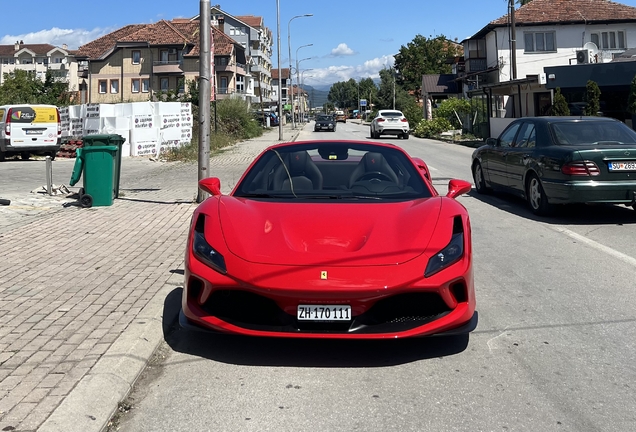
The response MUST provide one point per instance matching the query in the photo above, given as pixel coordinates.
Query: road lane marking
(606, 249)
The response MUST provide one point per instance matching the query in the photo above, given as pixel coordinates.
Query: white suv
(390, 122)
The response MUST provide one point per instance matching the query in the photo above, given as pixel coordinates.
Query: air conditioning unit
(172, 51)
(583, 56)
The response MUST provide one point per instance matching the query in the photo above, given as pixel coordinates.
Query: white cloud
(342, 50)
(57, 36)
(369, 69)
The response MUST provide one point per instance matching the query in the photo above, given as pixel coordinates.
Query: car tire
(2, 156)
(25, 155)
(537, 199)
(478, 178)
(52, 155)
(405, 136)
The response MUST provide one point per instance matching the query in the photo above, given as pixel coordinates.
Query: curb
(95, 399)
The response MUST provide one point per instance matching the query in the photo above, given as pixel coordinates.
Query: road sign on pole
(363, 102)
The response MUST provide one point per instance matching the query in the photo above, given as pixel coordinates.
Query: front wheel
(537, 198)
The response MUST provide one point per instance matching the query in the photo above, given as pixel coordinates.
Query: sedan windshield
(592, 132)
(333, 171)
(324, 118)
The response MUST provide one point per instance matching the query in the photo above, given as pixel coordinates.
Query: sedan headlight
(450, 254)
(204, 251)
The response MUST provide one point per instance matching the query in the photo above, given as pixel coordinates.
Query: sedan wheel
(478, 177)
(536, 197)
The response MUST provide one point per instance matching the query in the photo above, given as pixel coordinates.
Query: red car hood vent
(335, 234)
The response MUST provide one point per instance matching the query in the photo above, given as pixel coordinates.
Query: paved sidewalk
(82, 294)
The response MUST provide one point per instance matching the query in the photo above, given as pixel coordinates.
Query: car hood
(338, 234)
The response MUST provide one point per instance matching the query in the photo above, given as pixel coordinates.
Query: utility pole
(205, 94)
(280, 75)
(513, 41)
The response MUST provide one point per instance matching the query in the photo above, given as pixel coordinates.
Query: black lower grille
(396, 313)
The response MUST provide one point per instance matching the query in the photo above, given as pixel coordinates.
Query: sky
(349, 39)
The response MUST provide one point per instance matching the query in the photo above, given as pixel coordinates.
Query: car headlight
(451, 253)
(204, 251)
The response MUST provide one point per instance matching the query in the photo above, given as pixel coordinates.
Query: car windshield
(333, 171)
(592, 132)
(324, 118)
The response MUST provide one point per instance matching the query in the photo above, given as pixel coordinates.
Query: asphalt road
(554, 349)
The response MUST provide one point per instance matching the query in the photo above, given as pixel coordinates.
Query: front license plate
(324, 313)
(622, 166)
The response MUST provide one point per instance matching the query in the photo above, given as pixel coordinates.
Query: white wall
(569, 39)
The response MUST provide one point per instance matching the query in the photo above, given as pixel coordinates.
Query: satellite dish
(592, 47)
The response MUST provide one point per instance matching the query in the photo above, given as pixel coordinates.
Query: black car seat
(372, 162)
(300, 171)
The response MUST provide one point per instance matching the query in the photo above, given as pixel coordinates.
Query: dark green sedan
(560, 160)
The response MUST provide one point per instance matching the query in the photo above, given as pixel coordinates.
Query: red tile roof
(284, 72)
(162, 33)
(39, 49)
(103, 45)
(570, 11)
(251, 20)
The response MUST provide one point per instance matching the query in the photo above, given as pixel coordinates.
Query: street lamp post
(302, 84)
(298, 76)
(291, 85)
(298, 70)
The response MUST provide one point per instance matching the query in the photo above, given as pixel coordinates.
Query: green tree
(343, 94)
(424, 56)
(592, 97)
(403, 100)
(451, 108)
(560, 105)
(20, 87)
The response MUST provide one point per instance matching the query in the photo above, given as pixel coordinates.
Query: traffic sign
(363, 102)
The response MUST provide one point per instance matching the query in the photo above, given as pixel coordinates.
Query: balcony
(167, 67)
(236, 68)
(82, 73)
(476, 65)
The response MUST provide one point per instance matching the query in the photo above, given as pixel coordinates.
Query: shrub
(592, 97)
(560, 105)
(447, 109)
(431, 128)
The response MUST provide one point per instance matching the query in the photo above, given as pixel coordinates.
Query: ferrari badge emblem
(323, 275)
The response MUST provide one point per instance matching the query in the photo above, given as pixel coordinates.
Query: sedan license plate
(324, 313)
(622, 166)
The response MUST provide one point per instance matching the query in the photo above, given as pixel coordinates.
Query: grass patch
(190, 152)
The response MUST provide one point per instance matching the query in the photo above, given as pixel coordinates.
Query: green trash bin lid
(103, 139)
(78, 167)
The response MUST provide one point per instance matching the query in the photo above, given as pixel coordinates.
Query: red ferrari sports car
(331, 239)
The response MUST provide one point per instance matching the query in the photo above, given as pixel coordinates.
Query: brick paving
(72, 280)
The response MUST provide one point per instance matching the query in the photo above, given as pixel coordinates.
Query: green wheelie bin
(109, 140)
(97, 165)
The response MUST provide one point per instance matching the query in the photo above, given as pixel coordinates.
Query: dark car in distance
(560, 160)
(325, 122)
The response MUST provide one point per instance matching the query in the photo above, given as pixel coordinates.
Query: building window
(165, 84)
(609, 40)
(240, 84)
(477, 48)
(163, 55)
(136, 57)
(101, 86)
(135, 87)
(540, 41)
(232, 31)
(181, 85)
(114, 86)
(145, 85)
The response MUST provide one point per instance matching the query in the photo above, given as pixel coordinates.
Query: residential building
(251, 33)
(548, 33)
(146, 61)
(281, 85)
(40, 58)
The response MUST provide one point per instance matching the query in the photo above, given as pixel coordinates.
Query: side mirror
(492, 142)
(457, 188)
(211, 185)
(421, 165)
